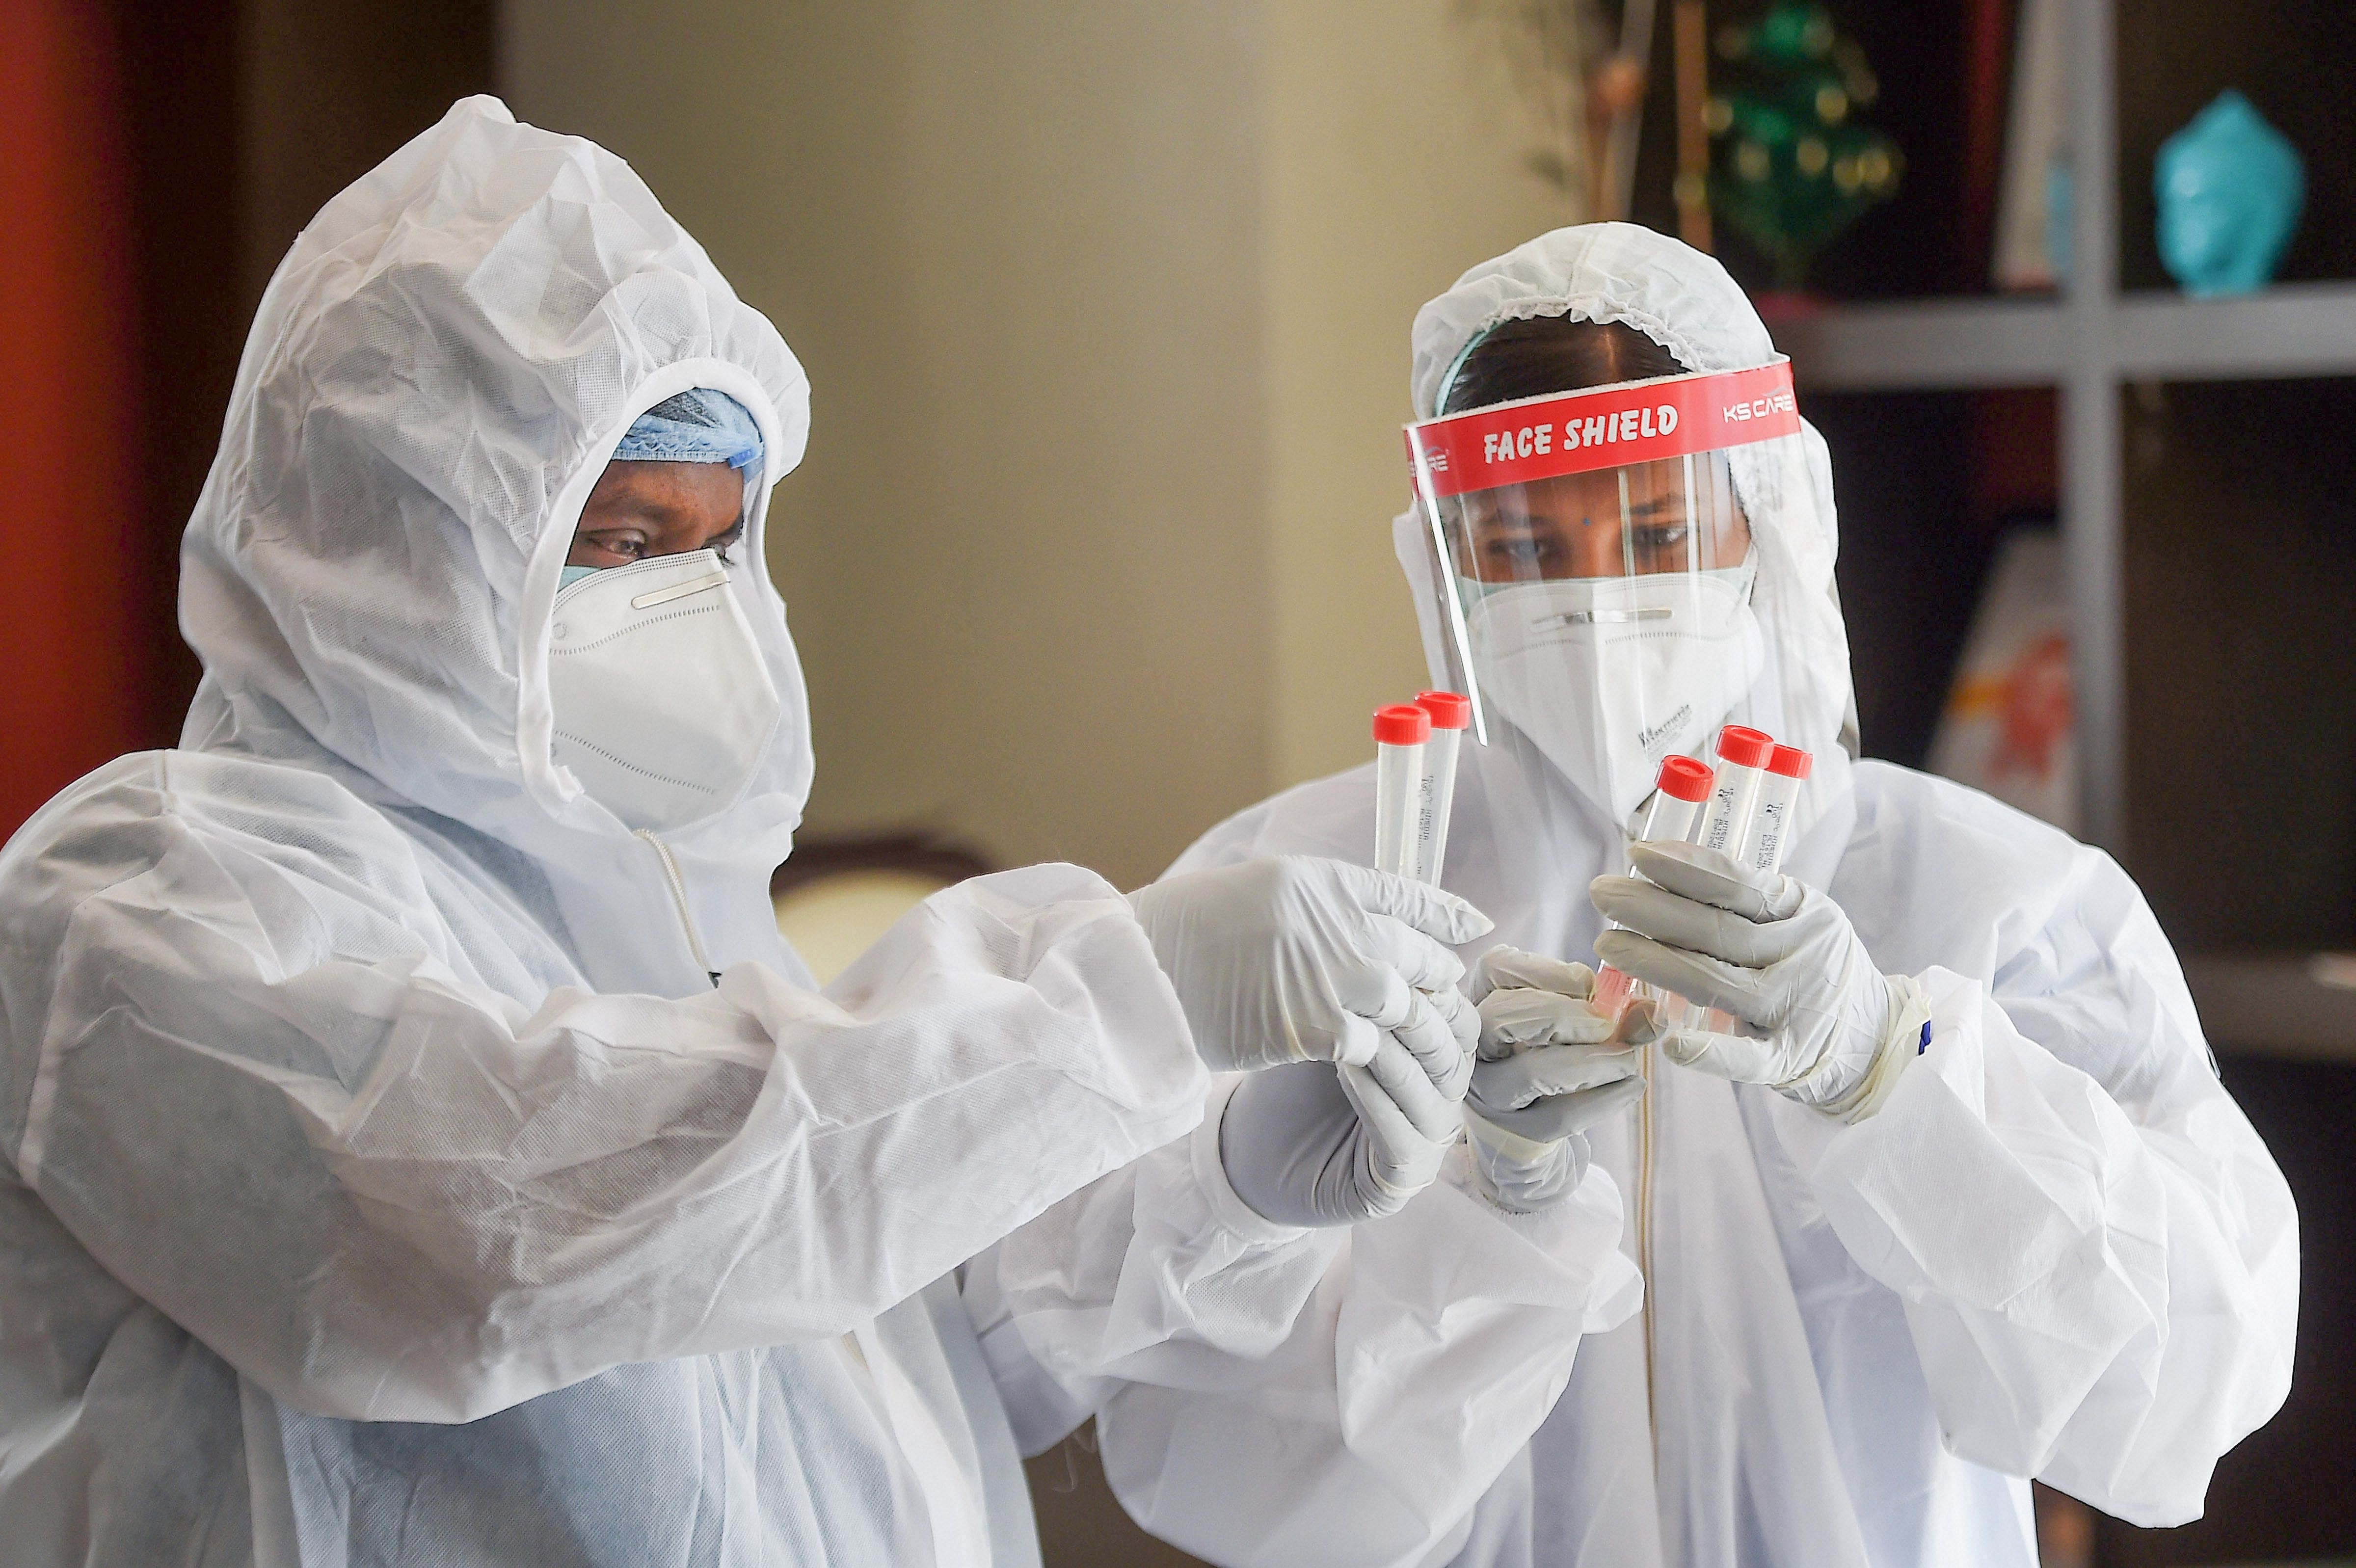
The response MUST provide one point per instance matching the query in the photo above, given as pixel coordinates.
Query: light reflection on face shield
(1673, 515)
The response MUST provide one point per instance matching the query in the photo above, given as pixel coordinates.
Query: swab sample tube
(1400, 733)
(1763, 834)
(1451, 715)
(1769, 832)
(1741, 757)
(1676, 813)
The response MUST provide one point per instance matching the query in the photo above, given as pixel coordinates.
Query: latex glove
(1526, 999)
(1551, 1067)
(1815, 1018)
(1297, 959)
(1309, 1143)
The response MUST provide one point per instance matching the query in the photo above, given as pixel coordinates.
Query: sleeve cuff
(1910, 1037)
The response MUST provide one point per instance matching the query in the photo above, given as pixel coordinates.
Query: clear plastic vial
(1400, 733)
(1674, 814)
(1676, 811)
(1769, 832)
(1741, 758)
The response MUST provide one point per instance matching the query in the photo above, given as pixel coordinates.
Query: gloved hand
(1313, 1144)
(1817, 1020)
(1297, 959)
(1551, 1067)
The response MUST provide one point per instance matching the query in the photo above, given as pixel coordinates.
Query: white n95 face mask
(664, 709)
(1608, 676)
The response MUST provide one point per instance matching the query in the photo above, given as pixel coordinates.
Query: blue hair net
(700, 426)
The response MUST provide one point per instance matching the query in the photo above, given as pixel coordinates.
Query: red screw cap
(1791, 762)
(1684, 778)
(1402, 724)
(1745, 747)
(1449, 711)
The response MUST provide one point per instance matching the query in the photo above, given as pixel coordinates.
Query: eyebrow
(637, 507)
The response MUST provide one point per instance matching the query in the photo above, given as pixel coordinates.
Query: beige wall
(1104, 307)
(1397, 156)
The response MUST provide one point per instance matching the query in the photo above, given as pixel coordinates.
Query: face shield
(1596, 567)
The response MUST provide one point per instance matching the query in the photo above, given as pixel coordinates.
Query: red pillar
(77, 654)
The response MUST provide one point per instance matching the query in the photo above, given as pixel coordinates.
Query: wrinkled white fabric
(1268, 1396)
(2058, 1250)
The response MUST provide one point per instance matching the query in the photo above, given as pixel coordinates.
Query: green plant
(1790, 166)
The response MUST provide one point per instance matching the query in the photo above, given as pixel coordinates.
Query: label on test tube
(1450, 716)
(1400, 732)
(1769, 832)
(1742, 756)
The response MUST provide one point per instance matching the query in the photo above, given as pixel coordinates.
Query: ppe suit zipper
(1644, 1246)
(1644, 1059)
(679, 900)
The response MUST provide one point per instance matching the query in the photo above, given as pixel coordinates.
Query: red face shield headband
(1604, 427)
(1578, 433)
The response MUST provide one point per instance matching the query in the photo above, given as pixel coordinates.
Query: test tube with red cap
(1676, 811)
(1742, 759)
(1674, 814)
(1769, 832)
(1451, 715)
(1401, 733)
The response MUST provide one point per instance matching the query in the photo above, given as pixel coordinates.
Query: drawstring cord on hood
(679, 900)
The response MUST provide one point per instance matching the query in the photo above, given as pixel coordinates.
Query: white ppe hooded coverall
(402, 1161)
(2059, 1251)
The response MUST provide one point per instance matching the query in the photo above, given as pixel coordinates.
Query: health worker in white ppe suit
(1948, 1195)
(419, 1145)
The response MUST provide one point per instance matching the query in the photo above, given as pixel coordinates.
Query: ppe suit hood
(437, 375)
(1685, 301)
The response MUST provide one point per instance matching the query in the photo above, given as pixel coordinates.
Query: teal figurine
(2230, 188)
